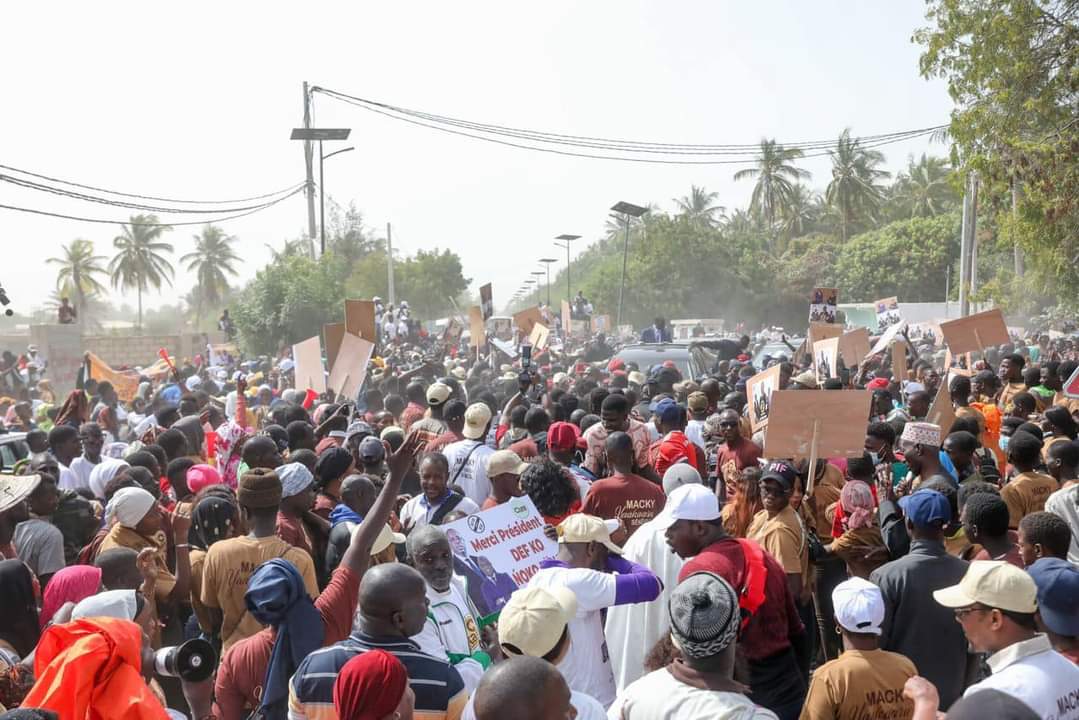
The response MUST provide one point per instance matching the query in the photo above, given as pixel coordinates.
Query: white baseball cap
(858, 606)
(689, 502)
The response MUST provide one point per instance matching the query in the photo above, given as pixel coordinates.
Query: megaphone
(193, 661)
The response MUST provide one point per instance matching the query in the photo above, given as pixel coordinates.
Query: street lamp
(320, 134)
(547, 262)
(537, 274)
(566, 240)
(627, 210)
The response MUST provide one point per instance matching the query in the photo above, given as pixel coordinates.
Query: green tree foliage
(140, 261)
(212, 260)
(854, 190)
(427, 280)
(78, 273)
(1012, 67)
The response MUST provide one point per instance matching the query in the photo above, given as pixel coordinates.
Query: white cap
(858, 606)
(689, 502)
(477, 417)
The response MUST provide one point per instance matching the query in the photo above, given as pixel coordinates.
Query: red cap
(562, 436)
(877, 384)
(616, 364)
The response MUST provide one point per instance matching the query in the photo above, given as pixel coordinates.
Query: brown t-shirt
(198, 560)
(862, 549)
(860, 685)
(228, 567)
(120, 536)
(730, 461)
(629, 497)
(1008, 393)
(1026, 494)
(782, 536)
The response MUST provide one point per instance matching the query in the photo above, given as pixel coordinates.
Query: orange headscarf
(88, 669)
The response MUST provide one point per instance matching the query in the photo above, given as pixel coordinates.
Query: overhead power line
(580, 145)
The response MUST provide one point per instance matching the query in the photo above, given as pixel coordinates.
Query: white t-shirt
(82, 469)
(587, 665)
(660, 696)
(695, 432)
(417, 512)
(1033, 672)
(451, 627)
(68, 480)
(587, 708)
(1065, 504)
(472, 475)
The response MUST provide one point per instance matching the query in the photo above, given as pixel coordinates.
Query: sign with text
(975, 333)
(836, 417)
(487, 304)
(497, 551)
(309, 371)
(760, 388)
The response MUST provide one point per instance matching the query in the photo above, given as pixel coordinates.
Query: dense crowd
(295, 541)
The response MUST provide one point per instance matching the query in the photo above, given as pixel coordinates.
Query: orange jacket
(88, 669)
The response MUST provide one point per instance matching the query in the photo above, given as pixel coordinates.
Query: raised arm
(634, 583)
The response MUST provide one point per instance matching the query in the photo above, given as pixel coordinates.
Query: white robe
(632, 630)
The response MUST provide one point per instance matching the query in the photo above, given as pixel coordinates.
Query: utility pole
(308, 156)
(966, 244)
(973, 233)
(389, 262)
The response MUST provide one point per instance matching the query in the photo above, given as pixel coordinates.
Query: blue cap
(667, 411)
(1058, 594)
(926, 507)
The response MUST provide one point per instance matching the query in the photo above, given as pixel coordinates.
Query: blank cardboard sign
(854, 346)
(360, 319)
(476, 326)
(539, 335)
(822, 331)
(941, 411)
(526, 318)
(334, 333)
(350, 369)
(975, 333)
(840, 416)
(310, 374)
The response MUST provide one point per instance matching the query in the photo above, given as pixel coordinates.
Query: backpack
(751, 595)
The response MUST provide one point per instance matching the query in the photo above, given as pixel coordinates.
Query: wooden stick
(812, 473)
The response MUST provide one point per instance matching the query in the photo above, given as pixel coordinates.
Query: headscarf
(229, 437)
(90, 668)
(18, 607)
(191, 427)
(200, 476)
(71, 584)
(276, 596)
(103, 473)
(129, 506)
(122, 604)
(212, 519)
(295, 478)
(75, 410)
(41, 417)
(369, 686)
(858, 505)
(704, 615)
(29, 714)
(332, 463)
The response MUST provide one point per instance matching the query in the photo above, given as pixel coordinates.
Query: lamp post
(627, 210)
(566, 240)
(547, 262)
(537, 274)
(321, 134)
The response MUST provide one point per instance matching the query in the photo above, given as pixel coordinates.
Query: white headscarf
(129, 506)
(102, 473)
(111, 603)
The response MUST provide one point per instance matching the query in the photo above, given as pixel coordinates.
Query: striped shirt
(440, 693)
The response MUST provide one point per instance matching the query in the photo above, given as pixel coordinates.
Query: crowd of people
(301, 537)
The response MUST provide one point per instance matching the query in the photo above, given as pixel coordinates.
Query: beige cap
(581, 528)
(534, 619)
(993, 583)
(476, 418)
(16, 488)
(505, 461)
(438, 393)
(386, 537)
(636, 377)
(697, 401)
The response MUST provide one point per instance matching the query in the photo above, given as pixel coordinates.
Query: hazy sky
(196, 101)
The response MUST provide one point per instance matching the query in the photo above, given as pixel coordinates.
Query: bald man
(393, 607)
(525, 688)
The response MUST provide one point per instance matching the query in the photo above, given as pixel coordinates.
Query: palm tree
(799, 213)
(211, 260)
(699, 206)
(925, 189)
(776, 177)
(78, 270)
(854, 189)
(139, 262)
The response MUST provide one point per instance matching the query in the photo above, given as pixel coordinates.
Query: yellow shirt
(860, 685)
(783, 537)
(1026, 494)
(120, 536)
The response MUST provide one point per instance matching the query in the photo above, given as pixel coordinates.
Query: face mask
(1003, 442)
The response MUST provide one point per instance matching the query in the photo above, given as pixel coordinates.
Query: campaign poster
(826, 359)
(760, 388)
(822, 305)
(487, 304)
(887, 313)
(497, 551)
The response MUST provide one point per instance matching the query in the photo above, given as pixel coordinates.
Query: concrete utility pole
(308, 156)
(967, 245)
(389, 262)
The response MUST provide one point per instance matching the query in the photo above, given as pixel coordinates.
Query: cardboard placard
(854, 346)
(601, 323)
(350, 368)
(759, 389)
(887, 313)
(826, 359)
(360, 319)
(567, 318)
(539, 336)
(888, 337)
(506, 347)
(476, 326)
(837, 417)
(333, 334)
(526, 318)
(822, 331)
(822, 305)
(941, 411)
(453, 331)
(975, 333)
(498, 550)
(310, 373)
(486, 302)
(899, 362)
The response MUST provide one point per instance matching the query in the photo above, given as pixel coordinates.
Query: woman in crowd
(70, 585)
(372, 686)
(18, 630)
